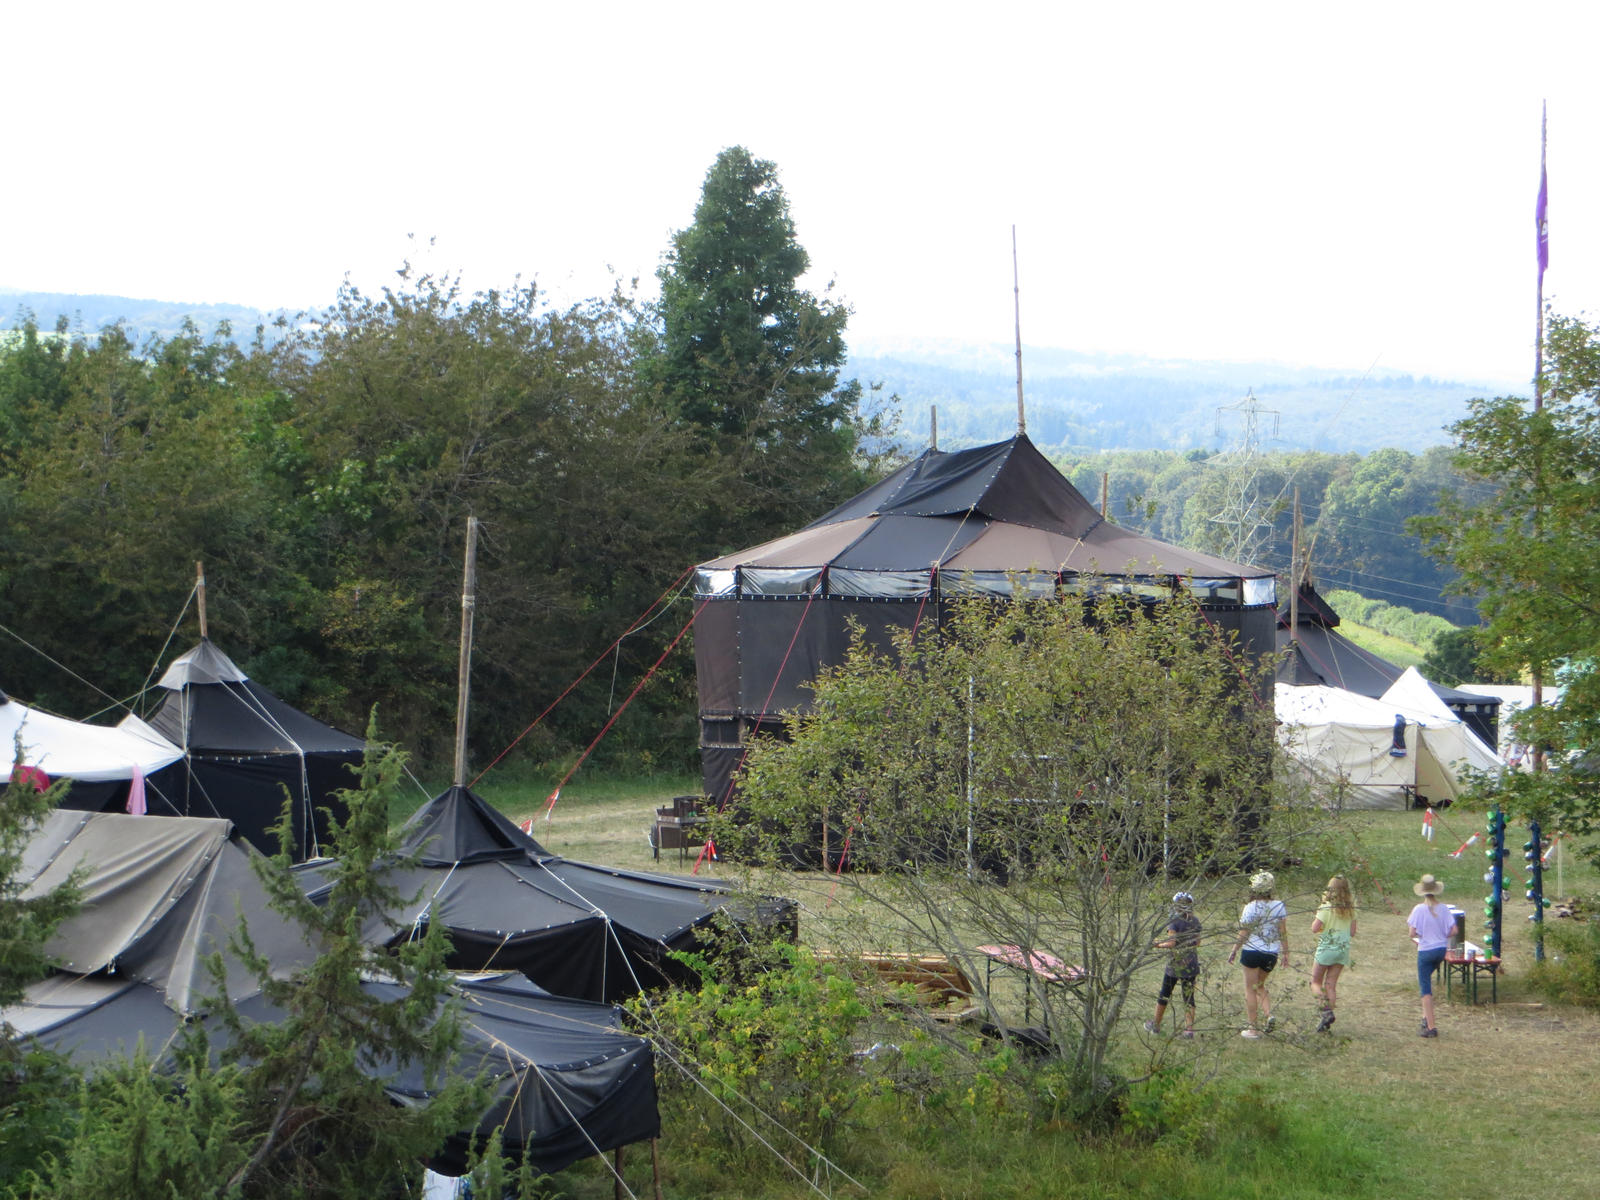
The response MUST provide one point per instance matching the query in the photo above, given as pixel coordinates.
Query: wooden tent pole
(617, 1187)
(933, 427)
(469, 600)
(655, 1165)
(1294, 574)
(200, 595)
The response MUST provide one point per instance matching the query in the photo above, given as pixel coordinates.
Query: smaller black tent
(575, 929)
(243, 747)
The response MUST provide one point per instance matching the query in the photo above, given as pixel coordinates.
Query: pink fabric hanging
(136, 792)
(23, 774)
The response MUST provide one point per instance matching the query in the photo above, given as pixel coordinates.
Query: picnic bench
(1038, 968)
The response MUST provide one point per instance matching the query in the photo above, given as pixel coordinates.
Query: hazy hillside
(140, 317)
(1082, 401)
(1074, 401)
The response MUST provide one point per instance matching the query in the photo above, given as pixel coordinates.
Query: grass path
(1505, 1100)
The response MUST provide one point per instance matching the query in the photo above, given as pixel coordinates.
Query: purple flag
(1542, 220)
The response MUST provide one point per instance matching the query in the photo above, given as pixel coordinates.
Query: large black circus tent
(573, 928)
(985, 521)
(1314, 652)
(243, 748)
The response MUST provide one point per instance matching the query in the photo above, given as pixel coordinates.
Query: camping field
(1502, 1101)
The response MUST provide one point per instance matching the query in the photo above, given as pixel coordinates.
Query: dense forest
(324, 469)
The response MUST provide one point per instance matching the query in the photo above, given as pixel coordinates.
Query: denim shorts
(1427, 963)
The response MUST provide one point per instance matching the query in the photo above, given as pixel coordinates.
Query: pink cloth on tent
(136, 792)
(22, 774)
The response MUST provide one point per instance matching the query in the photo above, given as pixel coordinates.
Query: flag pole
(1541, 220)
(1016, 297)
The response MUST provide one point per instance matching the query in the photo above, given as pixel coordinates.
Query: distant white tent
(1348, 741)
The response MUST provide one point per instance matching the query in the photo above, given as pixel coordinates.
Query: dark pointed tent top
(214, 706)
(458, 827)
(1314, 610)
(1009, 481)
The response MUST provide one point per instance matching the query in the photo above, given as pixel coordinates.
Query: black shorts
(1259, 960)
(1170, 981)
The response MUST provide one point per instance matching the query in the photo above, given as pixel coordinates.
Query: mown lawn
(1502, 1100)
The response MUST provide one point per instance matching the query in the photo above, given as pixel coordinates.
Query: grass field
(1502, 1101)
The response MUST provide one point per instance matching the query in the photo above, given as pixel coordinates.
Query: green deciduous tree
(1038, 775)
(1524, 538)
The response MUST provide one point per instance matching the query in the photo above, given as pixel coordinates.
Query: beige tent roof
(159, 895)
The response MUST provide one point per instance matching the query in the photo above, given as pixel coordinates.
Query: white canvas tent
(1346, 740)
(85, 753)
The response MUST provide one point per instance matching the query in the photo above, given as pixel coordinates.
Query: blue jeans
(1427, 963)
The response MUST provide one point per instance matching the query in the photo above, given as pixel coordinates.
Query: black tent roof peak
(1008, 481)
(459, 826)
(1314, 609)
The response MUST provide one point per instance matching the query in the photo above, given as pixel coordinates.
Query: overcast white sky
(1329, 185)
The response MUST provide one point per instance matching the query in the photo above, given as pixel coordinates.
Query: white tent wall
(1344, 741)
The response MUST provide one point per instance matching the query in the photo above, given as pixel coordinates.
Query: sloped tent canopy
(987, 521)
(1319, 653)
(1344, 739)
(575, 929)
(101, 761)
(159, 895)
(242, 747)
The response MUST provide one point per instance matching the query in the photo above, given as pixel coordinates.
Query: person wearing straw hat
(1263, 937)
(1431, 926)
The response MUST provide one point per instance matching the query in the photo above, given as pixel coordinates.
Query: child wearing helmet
(1183, 939)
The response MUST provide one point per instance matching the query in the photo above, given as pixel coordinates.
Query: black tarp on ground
(158, 894)
(243, 747)
(1320, 654)
(949, 524)
(575, 929)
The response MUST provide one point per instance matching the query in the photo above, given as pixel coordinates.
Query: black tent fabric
(1319, 654)
(243, 747)
(575, 929)
(985, 521)
(567, 1082)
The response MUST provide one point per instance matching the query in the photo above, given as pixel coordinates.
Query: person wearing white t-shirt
(1262, 943)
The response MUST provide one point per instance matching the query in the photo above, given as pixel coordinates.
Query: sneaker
(1325, 1023)
(1424, 1029)
(1272, 1023)
(1430, 1033)
(1151, 1027)
(1188, 1033)
(1250, 1033)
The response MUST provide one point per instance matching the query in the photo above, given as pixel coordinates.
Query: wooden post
(200, 595)
(617, 1187)
(1105, 494)
(469, 600)
(1294, 573)
(655, 1165)
(933, 427)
